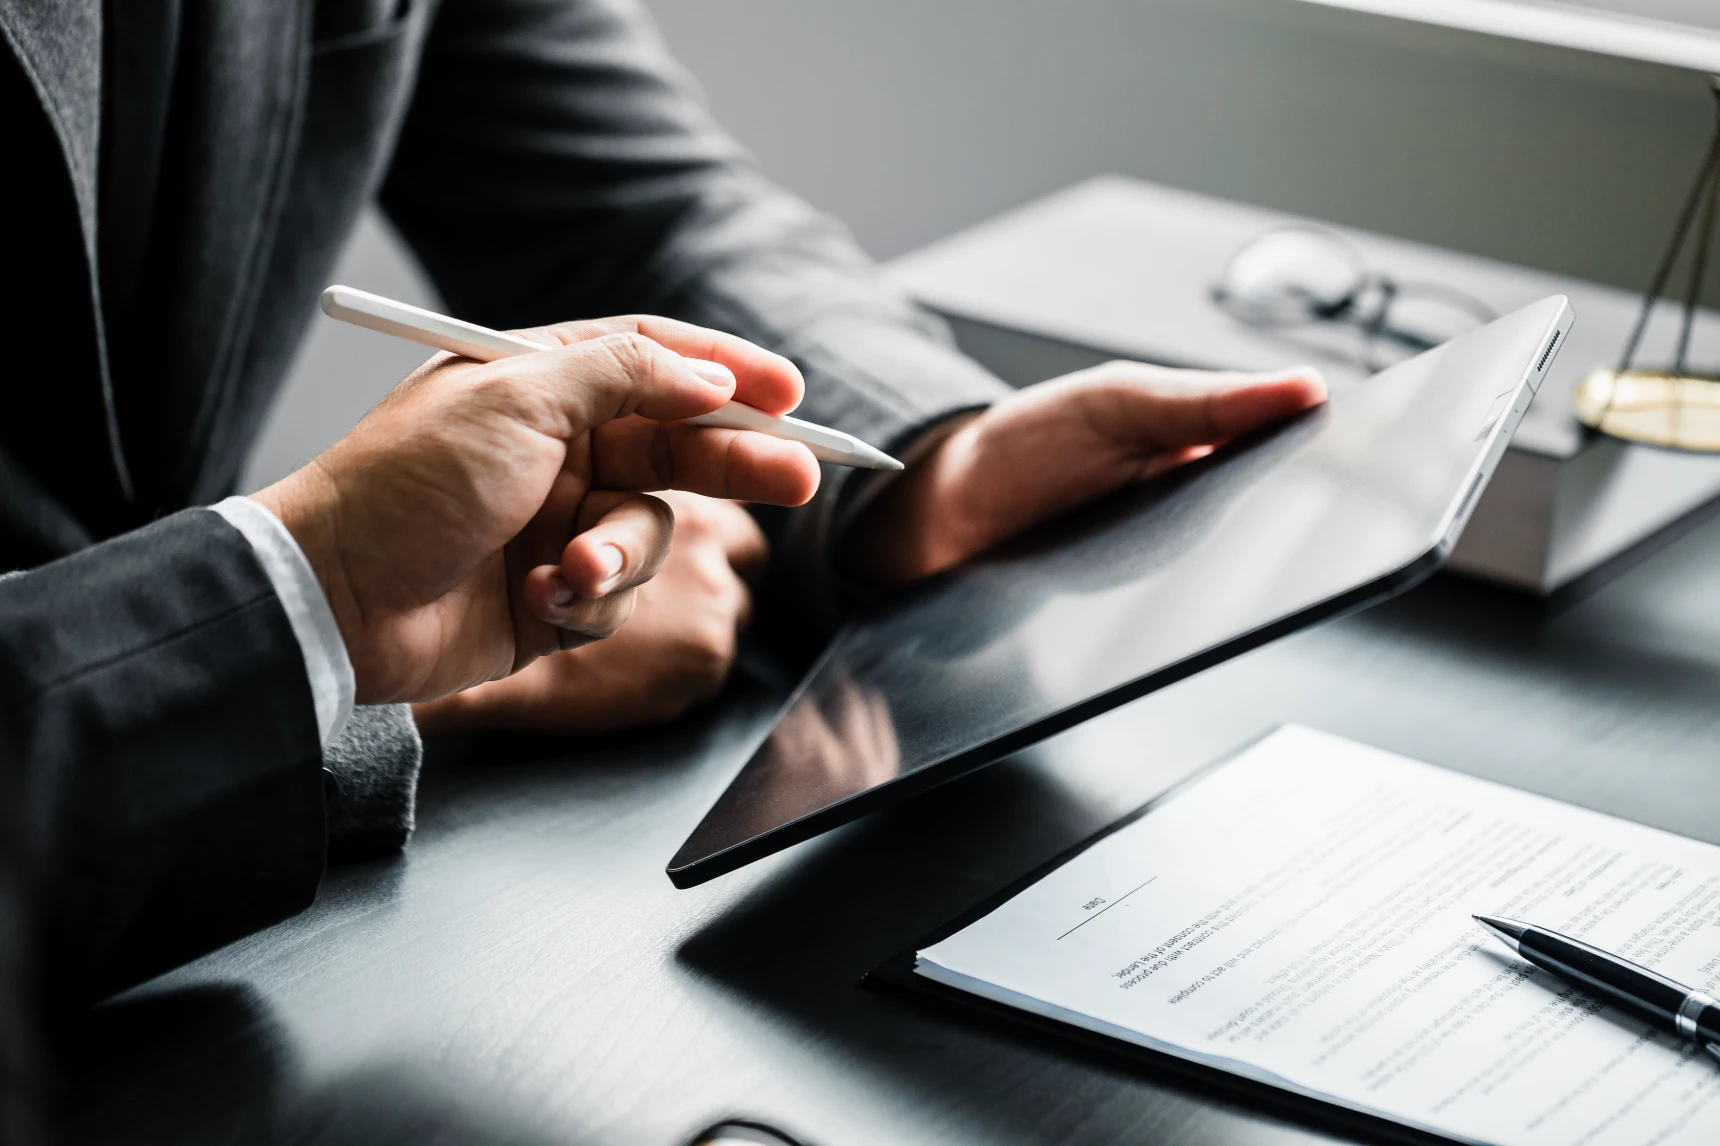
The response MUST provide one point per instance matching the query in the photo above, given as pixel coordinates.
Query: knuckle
(708, 650)
(736, 599)
(699, 512)
(695, 529)
(551, 334)
(734, 514)
(702, 543)
(740, 607)
(601, 326)
(715, 579)
(632, 351)
(752, 543)
(703, 674)
(1128, 370)
(492, 386)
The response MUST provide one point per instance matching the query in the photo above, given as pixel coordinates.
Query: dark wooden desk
(525, 974)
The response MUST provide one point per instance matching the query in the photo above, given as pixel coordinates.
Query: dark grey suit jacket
(544, 158)
(155, 711)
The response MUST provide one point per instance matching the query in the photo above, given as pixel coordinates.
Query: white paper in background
(1302, 916)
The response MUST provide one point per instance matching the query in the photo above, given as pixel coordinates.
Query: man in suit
(185, 172)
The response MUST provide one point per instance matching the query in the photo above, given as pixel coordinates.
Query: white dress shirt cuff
(326, 662)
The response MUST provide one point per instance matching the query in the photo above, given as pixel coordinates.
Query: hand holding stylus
(468, 339)
(485, 514)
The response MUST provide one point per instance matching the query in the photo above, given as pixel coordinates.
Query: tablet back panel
(1328, 512)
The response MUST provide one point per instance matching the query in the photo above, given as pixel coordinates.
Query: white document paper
(1301, 916)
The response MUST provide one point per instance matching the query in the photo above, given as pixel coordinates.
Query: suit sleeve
(155, 699)
(556, 163)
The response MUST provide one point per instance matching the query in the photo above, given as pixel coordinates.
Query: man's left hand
(674, 652)
(1050, 448)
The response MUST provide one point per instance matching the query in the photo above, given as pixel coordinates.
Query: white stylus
(415, 324)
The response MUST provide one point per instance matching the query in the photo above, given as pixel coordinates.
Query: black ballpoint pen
(1694, 1015)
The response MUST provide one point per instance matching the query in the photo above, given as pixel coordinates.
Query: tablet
(1323, 514)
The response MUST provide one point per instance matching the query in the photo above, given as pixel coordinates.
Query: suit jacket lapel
(58, 43)
(242, 74)
(239, 94)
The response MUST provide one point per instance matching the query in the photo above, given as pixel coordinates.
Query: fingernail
(713, 372)
(563, 593)
(612, 559)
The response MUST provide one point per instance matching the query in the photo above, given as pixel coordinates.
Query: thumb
(1144, 410)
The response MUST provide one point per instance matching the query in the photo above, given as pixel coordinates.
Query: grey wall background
(913, 118)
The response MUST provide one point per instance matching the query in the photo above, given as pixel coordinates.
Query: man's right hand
(485, 514)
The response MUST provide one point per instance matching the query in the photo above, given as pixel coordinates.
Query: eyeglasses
(743, 1132)
(1302, 276)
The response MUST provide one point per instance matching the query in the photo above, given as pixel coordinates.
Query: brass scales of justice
(1676, 408)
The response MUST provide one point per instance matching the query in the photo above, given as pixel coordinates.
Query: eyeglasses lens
(1422, 316)
(1292, 276)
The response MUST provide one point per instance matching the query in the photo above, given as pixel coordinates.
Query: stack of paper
(1301, 916)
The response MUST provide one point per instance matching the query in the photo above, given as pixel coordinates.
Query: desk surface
(525, 974)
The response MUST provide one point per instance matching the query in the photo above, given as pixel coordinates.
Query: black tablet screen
(1330, 511)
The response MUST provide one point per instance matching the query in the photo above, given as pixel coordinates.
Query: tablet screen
(1324, 513)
